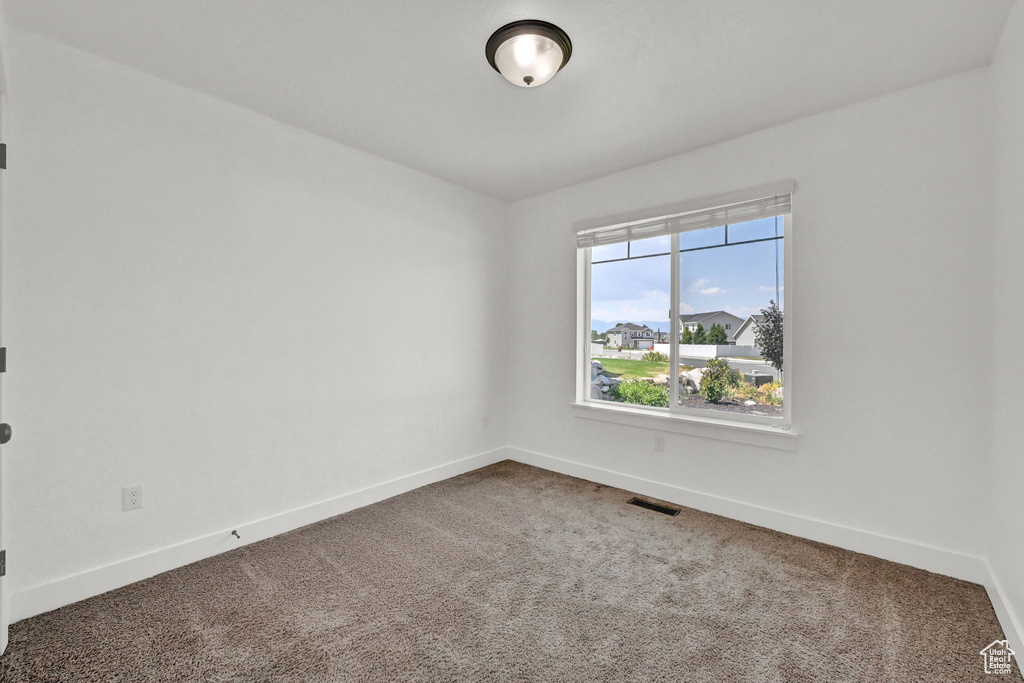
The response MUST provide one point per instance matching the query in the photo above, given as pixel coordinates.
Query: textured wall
(1005, 484)
(185, 285)
(889, 231)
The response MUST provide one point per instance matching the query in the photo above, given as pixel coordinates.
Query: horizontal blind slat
(740, 212)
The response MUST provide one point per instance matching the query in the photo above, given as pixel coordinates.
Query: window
(697, 275)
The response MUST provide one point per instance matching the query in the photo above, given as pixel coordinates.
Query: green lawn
(629, 369)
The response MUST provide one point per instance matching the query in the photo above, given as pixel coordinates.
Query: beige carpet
(512, 573)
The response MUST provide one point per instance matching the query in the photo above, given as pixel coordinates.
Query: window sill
(706, 427)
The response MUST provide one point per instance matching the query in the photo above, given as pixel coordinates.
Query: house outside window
(711, 270)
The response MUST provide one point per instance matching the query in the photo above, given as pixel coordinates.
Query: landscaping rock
(695, 375)
(661, 379)
(597, 364)
(604, 380)
(750, 403)
(595, 391)
(604, 389)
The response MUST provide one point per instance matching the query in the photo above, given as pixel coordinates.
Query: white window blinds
(738, 212)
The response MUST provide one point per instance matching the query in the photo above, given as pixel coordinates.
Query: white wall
(183, 279)
(1004, 486)
(889, 222)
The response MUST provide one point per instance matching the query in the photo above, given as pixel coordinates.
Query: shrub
(717, 335)
(733, 377)
(768, 335)
(746, 392)
(642, 393)
(699, 335)
(714, 384)
(687, 336)
(656, 356)
(768, 395)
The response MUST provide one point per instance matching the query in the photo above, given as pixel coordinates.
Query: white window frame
(753, 429)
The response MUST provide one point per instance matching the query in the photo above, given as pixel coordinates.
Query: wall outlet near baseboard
(131, 498)
(659, 442)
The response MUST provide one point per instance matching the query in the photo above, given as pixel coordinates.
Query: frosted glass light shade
(528, 53)
(528, 60)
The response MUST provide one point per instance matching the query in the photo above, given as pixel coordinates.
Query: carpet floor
(512, 573)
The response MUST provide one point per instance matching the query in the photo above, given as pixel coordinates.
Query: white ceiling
(407, 79)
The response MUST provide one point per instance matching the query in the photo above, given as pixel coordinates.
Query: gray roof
(698, 317)
(628, 326)
(757, 319)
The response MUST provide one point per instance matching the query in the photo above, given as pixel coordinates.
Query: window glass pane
(608, 252)
(756, 230)
(720, 286)
(702, 238)
(654, 245)
(629, 311)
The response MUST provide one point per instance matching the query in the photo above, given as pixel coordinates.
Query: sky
(737, 278)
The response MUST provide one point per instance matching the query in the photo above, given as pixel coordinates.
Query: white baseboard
(1012, 625)
(929, 558)
(66, 590)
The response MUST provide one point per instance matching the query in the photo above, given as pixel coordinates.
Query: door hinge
(3, 155)
(3, 359)
(3, 563)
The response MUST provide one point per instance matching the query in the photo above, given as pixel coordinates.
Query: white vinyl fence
(710, 350)
(696, 355)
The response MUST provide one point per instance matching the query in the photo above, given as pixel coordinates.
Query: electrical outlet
(131, 498)
(486, 421)
(659, 442)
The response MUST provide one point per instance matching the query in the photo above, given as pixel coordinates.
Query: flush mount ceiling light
(528, 53)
